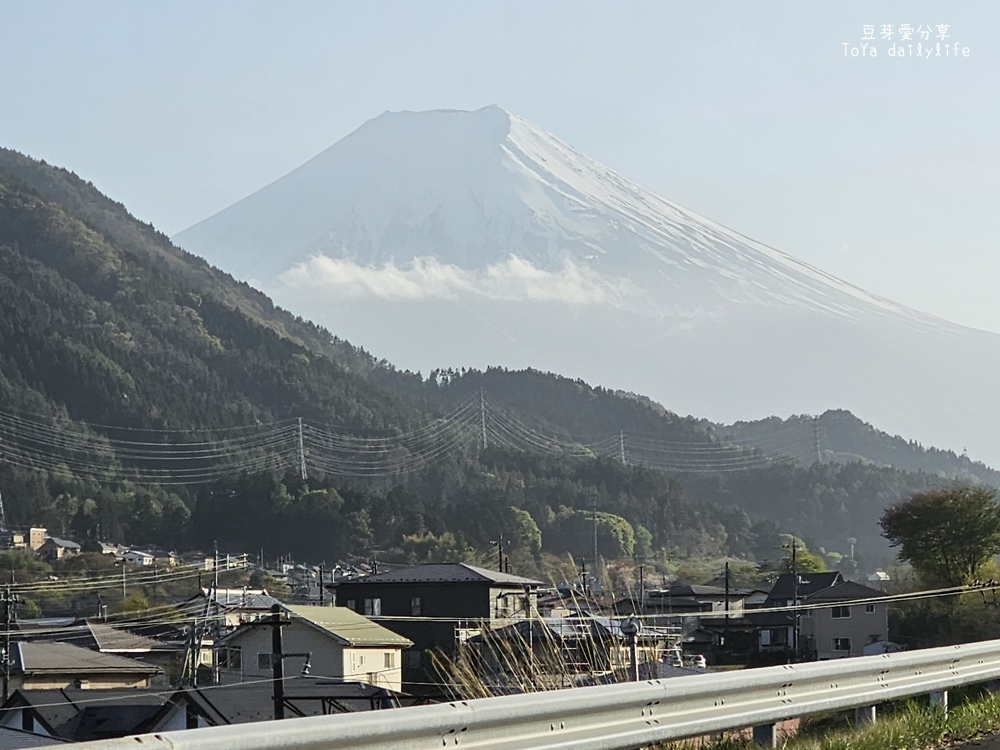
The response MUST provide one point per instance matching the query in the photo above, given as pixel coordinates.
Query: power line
(187, 457)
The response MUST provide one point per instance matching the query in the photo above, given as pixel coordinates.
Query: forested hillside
(147, 397)
(839, 436)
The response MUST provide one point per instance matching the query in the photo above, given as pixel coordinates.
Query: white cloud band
(426, 278)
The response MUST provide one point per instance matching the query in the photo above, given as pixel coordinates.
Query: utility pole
(322, 583)
(277, 662)
(725, 630)
(302, 454)
(482, 413)
(583, 576)
(499, 544)
(621, 446)
(819, 456)
(795, 603)
(594, 499)
(10, 603)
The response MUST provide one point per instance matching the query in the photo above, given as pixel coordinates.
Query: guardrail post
(939, 701)
(864, 715)
(765, 735)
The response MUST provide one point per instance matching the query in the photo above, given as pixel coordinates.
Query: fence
(610, 717)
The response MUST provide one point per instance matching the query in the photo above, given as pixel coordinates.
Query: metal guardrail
(610, 717)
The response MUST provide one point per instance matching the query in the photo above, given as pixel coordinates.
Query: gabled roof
(686, 589)
(109, 639)
(784, 588)
(81, 715)
(844, 592)
(443, 573)
(239, 599)
(250, 702)
(347, 626)
(53, 657)
(56, 541)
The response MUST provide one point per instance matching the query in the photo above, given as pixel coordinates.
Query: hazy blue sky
(884, 171)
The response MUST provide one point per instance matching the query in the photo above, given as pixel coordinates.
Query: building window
(264, 660)
(352, 605)
(416, 606)
(373, 607)
(390, 660)
(840, 613)
(870, 609)
(231, 658)
(842, 644)
(765, 638)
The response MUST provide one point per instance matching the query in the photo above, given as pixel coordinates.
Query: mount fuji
(452, 238)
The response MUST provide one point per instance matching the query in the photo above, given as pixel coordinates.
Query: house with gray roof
(47, 665)
(438, 606)
(335, 642)
(75, 715)
(844, 620)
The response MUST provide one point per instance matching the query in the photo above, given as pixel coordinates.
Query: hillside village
(219, 650)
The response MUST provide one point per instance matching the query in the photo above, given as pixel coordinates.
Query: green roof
(348, 626)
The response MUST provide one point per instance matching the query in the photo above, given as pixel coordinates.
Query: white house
(138, 557)
(336, 642)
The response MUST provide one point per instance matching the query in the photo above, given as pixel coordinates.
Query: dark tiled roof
(80, 715)
(846, 591)
(684, 589)
(249, 702)
(66, 543)
(31, 657)
(809, 583)
(444, 573)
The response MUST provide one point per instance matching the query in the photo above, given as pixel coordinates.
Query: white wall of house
(377, 665)
(841, 631)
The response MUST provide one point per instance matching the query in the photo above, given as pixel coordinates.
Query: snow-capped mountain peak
(463, 192)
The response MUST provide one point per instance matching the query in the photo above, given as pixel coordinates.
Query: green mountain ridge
(104, 322)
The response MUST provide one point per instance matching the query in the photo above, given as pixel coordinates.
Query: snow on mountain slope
(437, 204)
(469, 239)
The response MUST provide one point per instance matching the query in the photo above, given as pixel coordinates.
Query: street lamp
(630, 628)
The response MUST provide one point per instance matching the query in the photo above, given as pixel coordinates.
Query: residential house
(335, 643)
(438, 606)
(82, 715)
(163, 558)
(36, 537)
(843, 620)
(779, 633)
(54, 548)
(551, 651)
(12, 539)
(231, 608)
(48, 665)
(139, 558)
(79, 715)
(221, 705)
